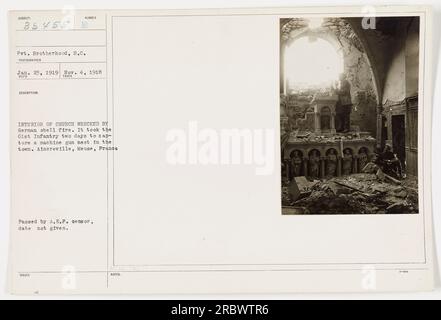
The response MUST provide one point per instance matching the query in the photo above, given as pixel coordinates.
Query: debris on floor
(362, 193)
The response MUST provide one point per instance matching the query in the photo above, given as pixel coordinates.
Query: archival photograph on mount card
(264, 150)
(348, 116)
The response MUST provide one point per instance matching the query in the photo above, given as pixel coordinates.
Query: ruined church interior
(349, 115)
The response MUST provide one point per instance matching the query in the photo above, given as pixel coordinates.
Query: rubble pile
(363, 193)
(312, 137)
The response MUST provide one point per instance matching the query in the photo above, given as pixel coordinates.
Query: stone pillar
(338, 166)
(389, 138)
(379, 136)
(355, 164)
(322, 167)
(305, 166)
(288, 169)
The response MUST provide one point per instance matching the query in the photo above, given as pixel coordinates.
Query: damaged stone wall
(363, 94)
(357, 68)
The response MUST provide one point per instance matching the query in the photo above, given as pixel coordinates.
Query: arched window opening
(312, 63)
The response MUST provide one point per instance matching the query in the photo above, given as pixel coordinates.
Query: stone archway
(359, 70)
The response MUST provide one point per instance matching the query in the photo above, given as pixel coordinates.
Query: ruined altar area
(318, 140)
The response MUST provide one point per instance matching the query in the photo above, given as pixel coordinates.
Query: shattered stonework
(361, 193)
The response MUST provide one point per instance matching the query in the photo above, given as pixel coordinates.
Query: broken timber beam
(350, 187)
(392, 179)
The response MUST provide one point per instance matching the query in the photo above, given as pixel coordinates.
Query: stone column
(379, 126)
(317, 122)
(338, 166)
(355, 164)
(288, 169)
(305, 166)
(322, 167)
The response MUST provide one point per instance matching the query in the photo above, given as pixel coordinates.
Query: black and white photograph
(277, 150)
(349, 115)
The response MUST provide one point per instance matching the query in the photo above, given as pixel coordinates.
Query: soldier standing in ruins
(344, 105)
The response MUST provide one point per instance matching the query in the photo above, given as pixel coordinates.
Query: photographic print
(349, 115)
